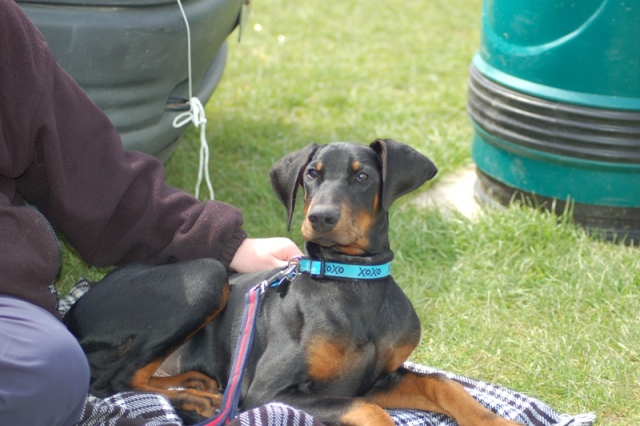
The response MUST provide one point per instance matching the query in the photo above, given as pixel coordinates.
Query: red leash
(231, 399)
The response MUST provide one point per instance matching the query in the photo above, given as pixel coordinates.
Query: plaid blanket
(145, 409)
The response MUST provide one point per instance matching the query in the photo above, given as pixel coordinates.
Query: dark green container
(554, 98)
(130, 57)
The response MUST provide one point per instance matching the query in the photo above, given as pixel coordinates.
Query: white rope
(196, 115)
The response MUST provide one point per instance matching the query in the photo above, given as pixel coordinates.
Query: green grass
(516, 297)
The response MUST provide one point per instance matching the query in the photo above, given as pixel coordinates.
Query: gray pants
(44, 376)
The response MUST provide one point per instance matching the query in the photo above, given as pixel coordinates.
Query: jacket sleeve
(112, 205)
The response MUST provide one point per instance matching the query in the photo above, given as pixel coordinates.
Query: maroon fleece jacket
(62, 166)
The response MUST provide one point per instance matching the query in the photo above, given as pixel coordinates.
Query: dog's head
(348, 190)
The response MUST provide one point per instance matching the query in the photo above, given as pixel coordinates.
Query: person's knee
(45, 373)
(66, 376)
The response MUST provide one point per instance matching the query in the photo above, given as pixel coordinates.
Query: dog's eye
(362, 176)
(312, 173)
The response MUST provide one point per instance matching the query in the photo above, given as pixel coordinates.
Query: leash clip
(285, 275)
(288, 275)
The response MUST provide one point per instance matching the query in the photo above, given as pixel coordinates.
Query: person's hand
(257, 254)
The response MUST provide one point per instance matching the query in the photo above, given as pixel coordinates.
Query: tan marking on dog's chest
(327, 359)
(397, 357)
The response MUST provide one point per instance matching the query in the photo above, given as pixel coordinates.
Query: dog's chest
(328, 360)
(358, 332)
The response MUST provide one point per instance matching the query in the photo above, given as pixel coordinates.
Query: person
(63, 169)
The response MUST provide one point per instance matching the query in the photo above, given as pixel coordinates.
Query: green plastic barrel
(554, 99)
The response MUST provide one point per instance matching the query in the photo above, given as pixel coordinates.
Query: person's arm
(59, 152)
(112, 205)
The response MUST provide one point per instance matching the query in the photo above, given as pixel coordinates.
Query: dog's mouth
(327, 240)
(345, 241)
(351, 250)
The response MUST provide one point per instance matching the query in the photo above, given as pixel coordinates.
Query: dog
(331, 347)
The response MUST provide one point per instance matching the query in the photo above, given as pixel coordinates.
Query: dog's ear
(403, 169)
(286, 176)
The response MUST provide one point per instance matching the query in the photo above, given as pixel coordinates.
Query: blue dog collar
(322, 269)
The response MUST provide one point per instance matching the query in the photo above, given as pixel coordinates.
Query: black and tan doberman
(331, 347)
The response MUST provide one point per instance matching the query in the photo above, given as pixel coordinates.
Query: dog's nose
(323, 218)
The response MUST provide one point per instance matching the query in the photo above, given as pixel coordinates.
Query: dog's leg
(188, 380)
(404, 389)
(444, 396)
(134, 319)
(339, 411)
(194, 395)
